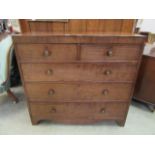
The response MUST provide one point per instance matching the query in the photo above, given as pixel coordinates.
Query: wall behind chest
(74, 26)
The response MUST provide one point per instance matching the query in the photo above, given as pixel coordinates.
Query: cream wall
(146, 25)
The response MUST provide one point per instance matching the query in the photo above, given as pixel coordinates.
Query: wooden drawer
(79, 92)
(79, 72)
(46, 52)
(72, 112)
(113, 52)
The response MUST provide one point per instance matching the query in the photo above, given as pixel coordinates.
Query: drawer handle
(109, 53)
(102, 110)
(51, 92)
(53, 110)
(49, 72)
(105, 92)
(46, 53)
(108, 72)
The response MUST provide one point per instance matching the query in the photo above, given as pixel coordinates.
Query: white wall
(146, 25)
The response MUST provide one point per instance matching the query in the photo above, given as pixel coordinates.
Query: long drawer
(78, 112)
(80, 72)
(72, 52)
(78, 92)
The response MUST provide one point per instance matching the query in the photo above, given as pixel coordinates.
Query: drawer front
(46, 52)
(116, 52)
(79, 72)
(78, 92)
(76, 111)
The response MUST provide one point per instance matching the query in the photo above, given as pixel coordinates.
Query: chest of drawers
(78, 78)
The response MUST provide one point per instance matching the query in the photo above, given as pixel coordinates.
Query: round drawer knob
(107, 72)
(53, 110)
(105, 92)
(46, 53)
(109, 53)
(49, 72)
(51, 92)
(102, 110)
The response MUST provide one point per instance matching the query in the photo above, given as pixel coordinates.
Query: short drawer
(110, 52)
(79, 72)
(77, 92)
(72, 112)
(46, 52)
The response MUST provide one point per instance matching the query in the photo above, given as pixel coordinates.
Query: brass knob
(46, 53)
(105, 92)
(109, 53)
(53, 110)
(49, 72)
(51, 92)
(102, 110)
(107, 72)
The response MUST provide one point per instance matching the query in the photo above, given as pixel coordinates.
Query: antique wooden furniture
(76, 26)
(6, 49)
(78, 78)
(145, 85)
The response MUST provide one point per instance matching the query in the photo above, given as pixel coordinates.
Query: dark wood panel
(41, 26)
(127, 25)
(113, 25)
(93, 24)
(24, 26)
(48, 26)
(145, 85)
(74, 26)
(58, 27)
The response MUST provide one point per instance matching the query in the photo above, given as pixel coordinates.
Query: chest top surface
(79, 38)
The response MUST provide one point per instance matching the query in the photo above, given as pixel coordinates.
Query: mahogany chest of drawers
(78, 78)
